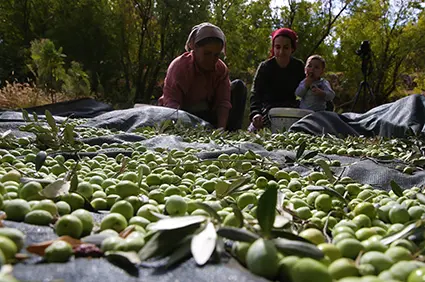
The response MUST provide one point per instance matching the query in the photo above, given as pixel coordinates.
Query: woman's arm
(173, 89)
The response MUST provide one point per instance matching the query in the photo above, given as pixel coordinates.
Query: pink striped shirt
(186, 85)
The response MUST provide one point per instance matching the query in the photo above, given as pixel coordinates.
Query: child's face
(314, 68)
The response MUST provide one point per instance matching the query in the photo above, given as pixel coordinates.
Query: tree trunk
(142, 69)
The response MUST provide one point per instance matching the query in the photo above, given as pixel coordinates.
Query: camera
(364, 50)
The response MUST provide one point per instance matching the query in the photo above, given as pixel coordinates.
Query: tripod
(364, 87)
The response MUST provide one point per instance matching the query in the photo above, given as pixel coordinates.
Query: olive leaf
(279, 233)
(177, 222)
(41, 181)
(281, 221)
(238, 214)
(6, 133)
(310, 155)
(203, 244)
(242, 188)
(181, 252)
(74, 183)
(96, 239)
(140, 176)
(40, 158)
(327, 190)
(251, 154)
(289, 160)
(279, 201)
(260, 172)
(298, 248)
(51, 121)
(127, 231)
(124, 260)
(164, 126)
(421, 198)
(237, 234)
(69, 134)
(240, 182)
(159, 215)
(26, 116)
(406, 231)
(122, 168)
(56, 189)
(209, 210)
(301, 150)
(326, 168)
(266, 210)
(161, 243)
(419, 162)
(396, 188)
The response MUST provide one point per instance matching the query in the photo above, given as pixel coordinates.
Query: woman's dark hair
(208, 40)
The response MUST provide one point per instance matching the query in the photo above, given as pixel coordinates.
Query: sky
(277, 3)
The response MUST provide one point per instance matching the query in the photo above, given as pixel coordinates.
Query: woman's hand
(257, 121)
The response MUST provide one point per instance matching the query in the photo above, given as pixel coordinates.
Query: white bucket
(283, 118)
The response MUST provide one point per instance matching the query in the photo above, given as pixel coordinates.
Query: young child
(314, 90)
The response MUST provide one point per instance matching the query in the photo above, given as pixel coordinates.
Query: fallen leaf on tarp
(2, 217)
(123, 259)
(127, 231)
(21, 257)
(96, 239)
(203, 244)
(39, 248)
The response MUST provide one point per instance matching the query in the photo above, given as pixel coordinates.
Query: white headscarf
(202, 31)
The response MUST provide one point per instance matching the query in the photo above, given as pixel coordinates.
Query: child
(314, 90)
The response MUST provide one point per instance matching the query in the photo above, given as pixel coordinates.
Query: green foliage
(393, 34)
(76, 82)
(48, 68)
(126, 46)
(47, 64)
(53, 135)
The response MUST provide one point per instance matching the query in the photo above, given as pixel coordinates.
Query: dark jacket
(274, 86)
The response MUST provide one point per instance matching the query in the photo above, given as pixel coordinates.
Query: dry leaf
(21, 257)
(39, 248)
(127, 231)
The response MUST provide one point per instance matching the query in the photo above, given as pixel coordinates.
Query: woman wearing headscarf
(276, 79)
(198, 81)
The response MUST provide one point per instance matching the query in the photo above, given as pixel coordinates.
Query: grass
(23, 95)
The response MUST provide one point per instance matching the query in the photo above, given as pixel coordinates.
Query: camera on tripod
(364, 50)
(365, 53)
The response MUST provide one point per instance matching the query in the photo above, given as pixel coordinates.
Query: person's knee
(238, 86)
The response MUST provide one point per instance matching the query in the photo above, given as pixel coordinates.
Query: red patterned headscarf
(284, 32)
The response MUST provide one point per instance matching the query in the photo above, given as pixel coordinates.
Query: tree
(388, 28)
(47, 65)
(247, 27)
(314, 22)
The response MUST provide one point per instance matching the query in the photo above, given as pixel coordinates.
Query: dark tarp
(81, 108)
(397, 119)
